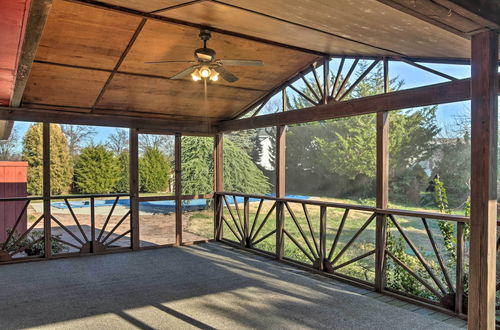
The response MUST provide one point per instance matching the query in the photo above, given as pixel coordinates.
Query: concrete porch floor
(203, 286)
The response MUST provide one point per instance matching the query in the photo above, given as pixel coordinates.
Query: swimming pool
(158, 206)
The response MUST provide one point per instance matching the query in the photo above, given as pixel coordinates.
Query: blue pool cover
(159, 206)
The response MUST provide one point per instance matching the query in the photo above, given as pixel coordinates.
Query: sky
(413, 77)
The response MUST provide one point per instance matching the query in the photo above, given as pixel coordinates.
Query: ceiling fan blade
(160, 62)
(184, 72)
(225, 74)
(204, 57)
(243, 62)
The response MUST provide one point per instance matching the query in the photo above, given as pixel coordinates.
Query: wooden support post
(47, 230)
(246, 221)
(484, 135)
(322, 237)
(92, 224)
(178, 189)
(134, 187)
(218, 185)
(382, 188)
(280, 181)
(459, 278)
(280, 161)
(280, 217)
(219, 162)
(326, 79)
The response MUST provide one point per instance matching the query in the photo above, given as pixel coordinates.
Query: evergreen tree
(96, 170)
(123, 184)
(240, 172)
(154, 171)
(61, 165)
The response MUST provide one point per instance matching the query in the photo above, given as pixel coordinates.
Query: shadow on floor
(205, 286)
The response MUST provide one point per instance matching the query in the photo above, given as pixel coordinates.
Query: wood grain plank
(368, 21)
(220, 16)
(56, 85)
(88, 36)
(174, 97)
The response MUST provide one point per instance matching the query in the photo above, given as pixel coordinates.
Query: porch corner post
(134, 187)
(382, 189)
(484, 135)
(178, 189)
(47, 230)
(218, 184)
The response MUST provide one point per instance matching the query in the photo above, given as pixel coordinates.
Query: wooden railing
(340, 239)
(76, 234)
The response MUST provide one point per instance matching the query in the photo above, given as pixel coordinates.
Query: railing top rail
(415, 214)
(427, 215)
(17, 199)
(306, 201)
(90, 196)
(13, 199)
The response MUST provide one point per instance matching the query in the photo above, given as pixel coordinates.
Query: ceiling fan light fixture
(214, 76)
(205, 71)
(195, 76)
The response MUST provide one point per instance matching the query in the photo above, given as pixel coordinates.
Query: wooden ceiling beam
(38, 13)
(37, 16)
(167, 126)
(484, 12)
(453, 91)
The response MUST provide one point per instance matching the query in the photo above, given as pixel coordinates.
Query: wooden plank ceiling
(92, 53)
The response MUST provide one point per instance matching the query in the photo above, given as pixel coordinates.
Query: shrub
(96, 170)
(123, 184)
(154, 171)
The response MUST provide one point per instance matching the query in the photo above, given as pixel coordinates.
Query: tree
(77, 136)
(197, 165)
(118, 142)
(154, 171)
(337, 157)
(8, 147)
(123, 184)
(61, 165)
(163, 143)
(453, 167)
(96, 170)
(240, 172)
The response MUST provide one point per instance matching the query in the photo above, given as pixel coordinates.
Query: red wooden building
(13, 181)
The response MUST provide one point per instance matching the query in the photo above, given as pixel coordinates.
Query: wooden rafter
(346, 78)
(453, 91)
(120, 61)
(358, 80)
(81, 118)
(425, 68)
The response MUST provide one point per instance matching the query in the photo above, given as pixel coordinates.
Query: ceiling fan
(206, 66)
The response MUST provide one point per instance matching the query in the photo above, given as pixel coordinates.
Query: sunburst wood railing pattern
(19, 243)
(334, 85)
(339, 239)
